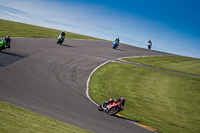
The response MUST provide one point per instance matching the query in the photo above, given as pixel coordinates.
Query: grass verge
(176, 63)
(16, 29)
(163, 100)
(14, 119)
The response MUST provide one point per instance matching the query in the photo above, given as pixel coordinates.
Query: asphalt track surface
(50, 79)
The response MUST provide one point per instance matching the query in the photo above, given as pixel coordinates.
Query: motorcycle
(2, 45)
(115, 44)
(111, 107)
(149, 45)
(60, 39)
(8, 40)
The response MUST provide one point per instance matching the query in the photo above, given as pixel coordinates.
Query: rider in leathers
(117, 40)
(6, 42)
(62, 34)
(123, 99)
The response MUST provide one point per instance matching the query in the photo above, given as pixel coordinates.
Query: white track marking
(87, 90)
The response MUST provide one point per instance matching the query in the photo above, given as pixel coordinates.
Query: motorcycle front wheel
(1, 48)
(100, 108)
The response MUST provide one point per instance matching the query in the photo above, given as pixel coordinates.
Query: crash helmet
(7, 38)
(123, 99)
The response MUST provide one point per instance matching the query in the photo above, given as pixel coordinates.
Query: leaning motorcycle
(2, 45)
(115, 44)
(60, 39)
(111, 108)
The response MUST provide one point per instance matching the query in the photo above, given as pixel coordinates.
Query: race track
(50, 79)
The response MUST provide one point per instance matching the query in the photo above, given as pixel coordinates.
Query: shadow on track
(2, 65)
(120, 49)
(7, 58)
(67, 46)
(12, 54)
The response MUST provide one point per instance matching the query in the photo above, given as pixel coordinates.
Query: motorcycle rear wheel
(113, 111)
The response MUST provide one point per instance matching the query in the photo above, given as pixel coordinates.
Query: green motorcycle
(2, 45)
(60, 39)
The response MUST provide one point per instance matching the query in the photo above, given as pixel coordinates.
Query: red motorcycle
(112, 106)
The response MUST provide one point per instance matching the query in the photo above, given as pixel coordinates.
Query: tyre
(100, 108)
(113, 111)
(1, 49)
(57, 42)
(61, 41)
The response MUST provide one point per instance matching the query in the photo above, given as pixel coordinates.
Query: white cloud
(11, 14)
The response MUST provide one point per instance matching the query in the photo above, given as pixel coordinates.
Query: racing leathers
(111, 101)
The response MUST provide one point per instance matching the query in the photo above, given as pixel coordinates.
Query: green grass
(16, 29)
(164, 100)
(18, 120)
(176, 63)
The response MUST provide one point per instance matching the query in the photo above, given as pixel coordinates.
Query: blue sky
(172, 25)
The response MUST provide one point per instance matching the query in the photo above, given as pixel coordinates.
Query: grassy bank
(14, 120)
(163, 100)
(15, 29)
(176, 63)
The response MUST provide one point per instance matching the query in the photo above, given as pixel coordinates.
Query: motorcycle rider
(117, 40)
(5, 42)
(62, 34)
(122, 100)
(8, 40)
(116, 43)
(149, 44)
